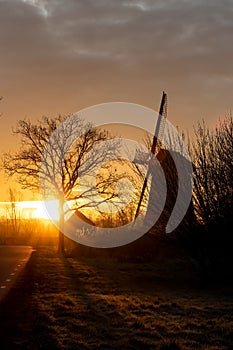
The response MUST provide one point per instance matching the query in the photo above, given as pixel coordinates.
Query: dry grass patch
(96, 304)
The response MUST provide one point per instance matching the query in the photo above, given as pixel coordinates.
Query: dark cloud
(117, 50)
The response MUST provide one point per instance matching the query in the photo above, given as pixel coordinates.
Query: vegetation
(213, 167)
(144, 295)
(33, 232)
(50, 159)
(96, 304)
(205, 233)
(211, 236)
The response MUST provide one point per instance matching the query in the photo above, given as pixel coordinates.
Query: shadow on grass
(67, 303)
(97, 319)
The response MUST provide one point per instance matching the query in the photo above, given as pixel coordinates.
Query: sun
(38, 210)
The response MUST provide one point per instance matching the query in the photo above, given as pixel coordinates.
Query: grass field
(73, 303)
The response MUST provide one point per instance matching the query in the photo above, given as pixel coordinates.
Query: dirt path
(12, 262)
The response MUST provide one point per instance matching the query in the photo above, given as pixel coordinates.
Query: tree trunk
(61, 245)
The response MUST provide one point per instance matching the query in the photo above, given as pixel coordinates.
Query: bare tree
(213, 167)
(211, 152)
(53, 158)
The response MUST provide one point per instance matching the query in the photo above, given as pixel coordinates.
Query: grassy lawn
(95, 304)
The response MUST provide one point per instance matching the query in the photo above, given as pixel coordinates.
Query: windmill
(159, 129)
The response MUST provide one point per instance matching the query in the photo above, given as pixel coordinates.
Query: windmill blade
(162, 115)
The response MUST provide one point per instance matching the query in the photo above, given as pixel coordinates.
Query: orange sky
(60, 56)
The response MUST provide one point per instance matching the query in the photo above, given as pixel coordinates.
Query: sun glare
(48, 210)
(38, 209)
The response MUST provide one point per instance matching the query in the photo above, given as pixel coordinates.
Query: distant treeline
(32, 232)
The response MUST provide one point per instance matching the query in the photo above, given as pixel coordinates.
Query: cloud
(126, 31)
(39, 5)
(113, 48)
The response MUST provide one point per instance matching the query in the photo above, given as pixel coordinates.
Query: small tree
(49, 149)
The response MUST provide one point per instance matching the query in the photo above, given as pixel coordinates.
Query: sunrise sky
(60, 56)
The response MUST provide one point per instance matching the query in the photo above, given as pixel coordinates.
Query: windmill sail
(159, 129)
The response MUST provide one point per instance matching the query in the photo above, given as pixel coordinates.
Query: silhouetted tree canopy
(47, 152)
(213, 168)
